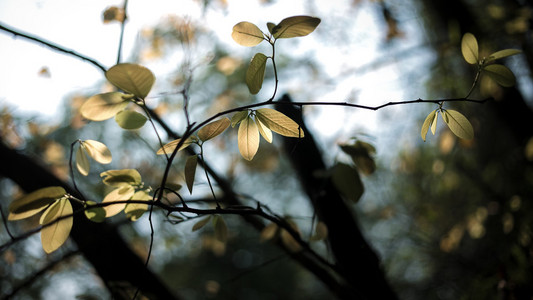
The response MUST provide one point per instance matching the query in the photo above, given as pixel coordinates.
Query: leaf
(95, 214)
(265, 132)
(362, 155)
(103, 106)
(270, 27)
(279, 123)
(129, 119)
(248, 138)
(123, 193)
(134, 211)
(321, 232)
(501, 74)
(268, 232)
(132, 78)
(347, 181)
(98, 151)
(213, 129)
(82, 160)
(221, 229)
(295, 27)
(503, 54)
(256, 73)
(469, 48)
(119, 178)
(169, 148)
(434, 124)
(198, 225)
(56, 234)
(427, 123)
(288, 240)
(458, 124)
(34, 202)
(247, 34)
(238, 117)
(190, 171)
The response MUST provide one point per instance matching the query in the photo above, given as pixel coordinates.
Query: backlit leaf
(469, 48)
(347, 181)
(427, 123)
(270, 27)
(190, 171)
(434, 123)
(288, 240)
(279, 123)
(256, 73)
(98, 151)
(265, 132)
(268, 232)
(82, 161)
(247, 34)
(221, 229)
(501, 74)
(56, 234)
(248, 138)
(198, 225)
(121, 194)
(119, 178)
(321, 232)
(95, 214)
(34, 202)
(503, 53)
(169, 148)
(129, 119)
(238, 117)
(362, 155)
(103, 106)
(213, 129)
(295, 26)
(131, 78)
(134, 211)
(458, 124)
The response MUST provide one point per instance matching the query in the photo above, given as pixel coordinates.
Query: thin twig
(4, 220)
(122, 27)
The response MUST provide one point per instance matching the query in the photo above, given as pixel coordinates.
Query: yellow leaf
(469, 48)
(34, 202)
(103, 106)
(268, 232)
(169, 148)
(255, 73)
(458, 124)
(121, 194)
(213, 129)
(288, 240)
(265, 132)
(238, 117)
(190, 171)
(82, 161)
(248, 138)
(131, 78)
(95, 214)
(279, 123)
(56, 234)
(119, 178)
(198, 225)
(98, 151)
(434, 123)
(134, 211)
(295, 27)
(427, 123)
(247, 34)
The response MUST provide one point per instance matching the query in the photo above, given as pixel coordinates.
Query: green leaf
(129, 119)
(427, 123)
(279, 123)
(169, 148)
(134, 211)
(198, 225)
(256, 73)
(132, 78)
(503, 53)
(248, 138)
(82, 160)
(221, 229)
(98, 151)
(265, 132)
(458, 124)
(270, 27)
(56, 234)
(119, 178)
(238, 117)
(34, 202)
(501, 74)
(295, 27)
(190, 171)
(103, 106)
(213, 129)
(247, 34)
(123, 193)
(469, 48)
(95, 214)
(347, 181)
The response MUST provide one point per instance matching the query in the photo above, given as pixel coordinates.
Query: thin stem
(122, 27)
(4, 220)
(275, 72)
(476, 79)
(149, 115)
(207, 176)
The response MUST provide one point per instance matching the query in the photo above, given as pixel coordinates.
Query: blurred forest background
(448, 218)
